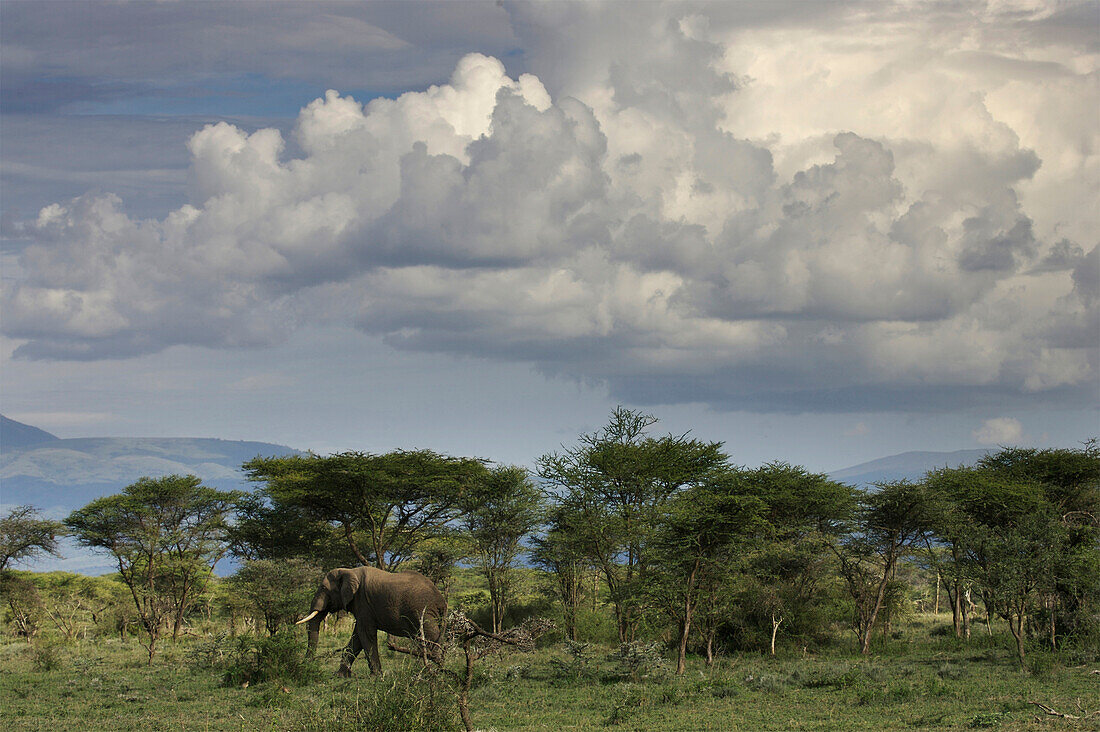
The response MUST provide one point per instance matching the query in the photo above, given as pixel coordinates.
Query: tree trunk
(494, 604)
(1017, 630)
(865, 641)
(1053, 632)
(681, 655)
(775, 630)
(710, 648)
(464, 691)
(956, 610)
(936, 611)
(964, 599)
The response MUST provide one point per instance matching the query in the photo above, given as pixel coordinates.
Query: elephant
(394, 602)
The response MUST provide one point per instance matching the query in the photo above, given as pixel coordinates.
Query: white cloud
(999, 431)
(704, 206)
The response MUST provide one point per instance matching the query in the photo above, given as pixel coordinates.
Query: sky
(820, 232)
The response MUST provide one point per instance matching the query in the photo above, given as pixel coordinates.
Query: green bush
(985, 720)
(596, 626)
(45, 657)
(638, 658)
(250, 659)
(578, 662)
(401, 701)
(629, 699)
(833, 677)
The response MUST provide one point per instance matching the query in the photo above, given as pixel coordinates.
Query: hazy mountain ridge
(61, 475)
(64, 474)
(16, 434)
(905, 466)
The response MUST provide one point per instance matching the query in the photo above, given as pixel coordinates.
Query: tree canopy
(24, 534)
(166, 534)
(383, 506)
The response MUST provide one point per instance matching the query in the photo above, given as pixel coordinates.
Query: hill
(905, 466)
(61, 475)
(68, 473)
(16, 435)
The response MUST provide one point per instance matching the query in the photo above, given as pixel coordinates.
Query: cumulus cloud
(999, 431)
(709, 207)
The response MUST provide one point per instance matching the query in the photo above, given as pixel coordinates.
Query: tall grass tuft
(401, 701)
(248, 659)
(45, 656)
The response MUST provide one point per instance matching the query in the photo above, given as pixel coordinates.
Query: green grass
(917, 681)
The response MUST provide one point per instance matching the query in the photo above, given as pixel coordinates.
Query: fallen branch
(1055, 713)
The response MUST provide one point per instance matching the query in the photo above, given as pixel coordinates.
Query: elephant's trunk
(317, 614)
(314, 633)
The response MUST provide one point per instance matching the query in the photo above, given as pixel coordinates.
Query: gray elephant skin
(393, 602)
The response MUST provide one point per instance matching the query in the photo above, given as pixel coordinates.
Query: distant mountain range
(906, 466)
(41, 469)
(60, 475)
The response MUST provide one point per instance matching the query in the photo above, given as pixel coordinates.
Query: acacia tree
(497, 516)
(890, 520)
(438, 556)
(699, 529)
(1022, 526)
(276, 589)
(166, 534)
(383, 506)
(559, 551)
(611, 488)
(949, 554)
(264, 529)
(1020, 558)
(1068, 486)
(24, 534)
(806, 513)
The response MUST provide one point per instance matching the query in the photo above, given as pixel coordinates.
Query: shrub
(985, 720)
(576, 665)
(23, 604)
(596, 626)
(639, 658)
(829, 678)
(768, 683)
(45, 657)
(947, 671)
(630, 698)
(1040, 663)
(248, 659)
(276, 589)
(401, 701)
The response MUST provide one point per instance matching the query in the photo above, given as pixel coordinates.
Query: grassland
(923, 678)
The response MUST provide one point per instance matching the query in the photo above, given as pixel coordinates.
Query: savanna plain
(920, 677)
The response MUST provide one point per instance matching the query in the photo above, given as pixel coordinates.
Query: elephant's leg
(351, 650)
(431, 639)
(368, 638)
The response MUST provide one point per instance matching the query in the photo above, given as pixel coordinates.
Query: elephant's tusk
(308, 617)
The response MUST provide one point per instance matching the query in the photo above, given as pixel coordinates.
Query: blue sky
(819, 232)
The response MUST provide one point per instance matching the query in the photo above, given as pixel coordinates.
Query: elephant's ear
(349, 585)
